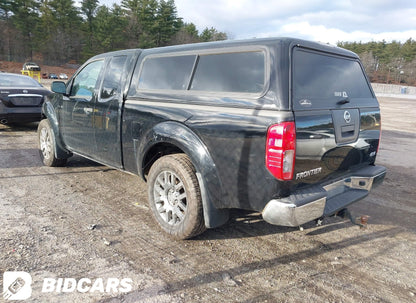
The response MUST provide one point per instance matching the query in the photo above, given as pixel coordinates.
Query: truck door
(107, 113)
(78, 109)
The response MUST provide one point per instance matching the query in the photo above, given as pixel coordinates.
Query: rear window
(7, 80)
(321, 80)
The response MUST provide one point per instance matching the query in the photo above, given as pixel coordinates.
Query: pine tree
(58, 31)
(65, 40)
(6, 32)
(141, 29)
(88, 9)
(167, 22)
(211, 34)
(25, 17)
(109, 26)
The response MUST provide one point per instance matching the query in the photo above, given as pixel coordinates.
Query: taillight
(280, 150)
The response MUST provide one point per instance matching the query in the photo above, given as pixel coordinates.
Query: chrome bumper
(319, 201)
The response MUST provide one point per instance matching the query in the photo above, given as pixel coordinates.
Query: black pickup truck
(282, 126)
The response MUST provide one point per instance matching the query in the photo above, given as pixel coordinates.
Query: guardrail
(392, 90)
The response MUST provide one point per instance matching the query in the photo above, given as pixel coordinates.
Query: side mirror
(58, 87)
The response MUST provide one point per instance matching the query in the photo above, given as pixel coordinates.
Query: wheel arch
(174, 137)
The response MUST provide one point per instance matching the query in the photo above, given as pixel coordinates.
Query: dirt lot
(89, 221)
(16, 67)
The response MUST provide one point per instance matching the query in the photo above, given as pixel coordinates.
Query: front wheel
(46, 144)
(175, 197)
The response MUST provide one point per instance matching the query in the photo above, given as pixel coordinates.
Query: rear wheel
(47, 146)
(175, 197)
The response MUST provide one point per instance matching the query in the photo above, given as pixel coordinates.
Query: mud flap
(213, 216)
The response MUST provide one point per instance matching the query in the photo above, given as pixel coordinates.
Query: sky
(328, 21)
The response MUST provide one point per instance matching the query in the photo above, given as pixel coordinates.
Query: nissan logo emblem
(347, 116)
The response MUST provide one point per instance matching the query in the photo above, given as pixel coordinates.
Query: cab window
(112, 78)
(86, 81)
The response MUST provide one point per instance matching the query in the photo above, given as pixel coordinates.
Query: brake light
(280, 150)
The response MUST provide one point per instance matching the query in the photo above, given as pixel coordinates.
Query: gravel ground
(89, 221)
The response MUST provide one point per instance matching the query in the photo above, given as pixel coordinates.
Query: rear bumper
(318, 201)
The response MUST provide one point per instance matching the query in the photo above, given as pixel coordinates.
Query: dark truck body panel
(234, 141)
(224, 133)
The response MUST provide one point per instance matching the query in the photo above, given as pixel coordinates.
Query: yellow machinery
(31, 73)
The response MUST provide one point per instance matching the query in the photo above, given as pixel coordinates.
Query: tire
(47, 145)
(175, 196)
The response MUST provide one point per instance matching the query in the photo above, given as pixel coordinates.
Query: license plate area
(26, 101)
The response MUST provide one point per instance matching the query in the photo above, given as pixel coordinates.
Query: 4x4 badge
(347, 116)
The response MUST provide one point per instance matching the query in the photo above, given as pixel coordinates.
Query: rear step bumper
(318, 201)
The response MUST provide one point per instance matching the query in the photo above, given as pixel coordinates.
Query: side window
(231, 72)
(112, 77)
(171, 73)
(86, 81)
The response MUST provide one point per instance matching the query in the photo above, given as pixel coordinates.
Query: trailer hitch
(361, 221)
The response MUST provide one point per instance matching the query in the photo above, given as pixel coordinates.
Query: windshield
(322, 80)
(7, 80)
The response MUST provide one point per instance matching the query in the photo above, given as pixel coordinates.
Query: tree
(211, 34)
(63, 41)
(6, 26)
(25, 17)
(167, 22)
(386, 62)
(187, 34)
(45, 30)
(141, 30)
(88, 9)
(109, 26)
(57, 31)
(409, 50)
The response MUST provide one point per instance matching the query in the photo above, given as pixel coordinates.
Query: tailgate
(337, 116)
